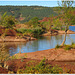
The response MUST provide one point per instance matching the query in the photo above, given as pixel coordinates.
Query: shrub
(41, 68)
(67, 47)
(73, 46)
(8, 21)
(72, 43)
(34, 31)
(18, 34)
(56, 70)
(21, 30)
(57, 46)
(37, 31)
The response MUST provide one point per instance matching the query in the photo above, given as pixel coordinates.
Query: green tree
(34, 22)
(47, 25)
(7, 21)
(66, 7)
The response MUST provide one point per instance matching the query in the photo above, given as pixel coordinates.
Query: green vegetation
(32, 26)
(4, 55)
(17, 57)
(66, 47)
(41, 68)
(7, 21)
(57, 46)
(27, 12)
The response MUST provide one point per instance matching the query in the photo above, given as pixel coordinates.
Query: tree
(34, 22)
(65, 9)
(7, 21)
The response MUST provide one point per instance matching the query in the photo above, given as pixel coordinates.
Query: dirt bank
(68, 32)
(60, 57)
(16, 39)
(52, 54)
(58, 32)
(27, 38)
(3, 71)
(14, 65)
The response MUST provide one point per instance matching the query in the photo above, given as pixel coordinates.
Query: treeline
(25, 13)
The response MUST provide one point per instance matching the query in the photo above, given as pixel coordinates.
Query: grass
(66, 47)
(41, 68)
(18, 57)
(57, 46)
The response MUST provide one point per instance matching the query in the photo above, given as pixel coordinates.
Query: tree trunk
(50, 30)
(64, 37)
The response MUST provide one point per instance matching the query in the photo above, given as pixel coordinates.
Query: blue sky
(29, 3)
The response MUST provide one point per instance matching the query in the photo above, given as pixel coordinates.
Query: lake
(43, 43)
(72, 28)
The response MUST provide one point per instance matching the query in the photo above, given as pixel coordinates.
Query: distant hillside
(25, 13)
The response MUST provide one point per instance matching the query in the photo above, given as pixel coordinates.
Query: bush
(21, 30)
(72, 43)
(37, 31)
(8, 21)
(67, 47)
(34, 31)
(41, 68)
(56, 70)
(57, 46)
(73, 46)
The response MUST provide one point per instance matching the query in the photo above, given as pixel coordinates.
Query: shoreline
(15, 39)
(51, 54)
(60, 32)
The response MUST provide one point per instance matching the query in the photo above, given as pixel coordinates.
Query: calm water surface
(42, 43)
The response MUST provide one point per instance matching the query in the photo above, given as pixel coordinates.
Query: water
(72, 28)
(43, 43)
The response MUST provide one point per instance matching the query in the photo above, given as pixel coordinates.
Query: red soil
(64, 59)
(16, 64)
(9, 32)
(3, 71)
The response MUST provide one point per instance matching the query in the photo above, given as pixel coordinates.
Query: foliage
(27, 12)
(7, 21)
(4, 55)
(17, 57)
(41, 68)
(34, 31)
(33, 22)
(57, 46)
(58, 23)
(73, 46)
(37, 31)
(47, 25)
(67, 47)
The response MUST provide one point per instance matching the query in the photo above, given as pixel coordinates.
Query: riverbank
(62, 58)
(52, 55)
(58, 32)
(27, 38)
(16, 39)
(17, 64)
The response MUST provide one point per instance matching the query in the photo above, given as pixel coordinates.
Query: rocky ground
(64, 59)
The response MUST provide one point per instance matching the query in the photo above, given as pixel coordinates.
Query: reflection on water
(42, 43)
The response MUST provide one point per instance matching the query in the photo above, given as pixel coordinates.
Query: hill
(25, 13)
